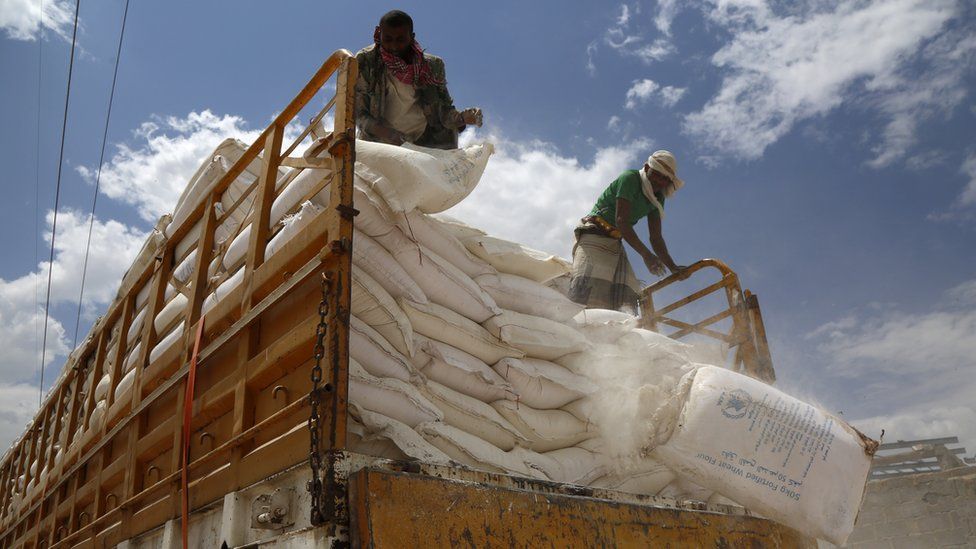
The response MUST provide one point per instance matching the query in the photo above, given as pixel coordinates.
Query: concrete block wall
(918, 511)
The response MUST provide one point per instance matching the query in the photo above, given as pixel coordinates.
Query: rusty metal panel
(409, 510)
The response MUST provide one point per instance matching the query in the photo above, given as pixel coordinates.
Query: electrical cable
(57, 198)
(98, 173)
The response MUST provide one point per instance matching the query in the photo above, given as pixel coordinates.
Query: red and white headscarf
(417, 73)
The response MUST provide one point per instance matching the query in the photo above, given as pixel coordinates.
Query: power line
(57, 198)
(98, 173)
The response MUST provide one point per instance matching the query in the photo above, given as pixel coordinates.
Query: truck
(227, 424)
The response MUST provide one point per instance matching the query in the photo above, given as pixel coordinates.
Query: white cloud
(624, 15)
(924, 422)
(643, 90)
(908, 98)
(670, 95)
(591, 50)
(625, 37)
(18, 402)
(533, 194)
(655, 51)
(780, 70)
(914, 369)
(113, 247)
(964, 294)
(968, 196)
(25, 19)
(666, 11)
(613, 123)
(152, 175)
(640, 91)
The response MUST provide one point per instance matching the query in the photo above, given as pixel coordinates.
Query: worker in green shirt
(602, 277)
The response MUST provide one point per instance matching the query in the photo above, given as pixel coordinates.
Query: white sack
(522, 295)
(175, 308)
(375, 354)
(132, 357)
(172, 338)
(292, 225)
(104, 384)
(778, 456)
(514, 258)
(390, 397)
(546, 429)
(408, 441)
(222, 291)
(375, 218)
(446, 285)
(372, 258)
(604, 325)
(444, 325)
(135, 327)
(684, 490)
(361, 441)
(473, 451)
(410, 176)
(431, 232)
(649, 480)
(463, 372)
(542, 384)
(442, 282)
(473, 416)
(374, 306)
(571, 465)
(538, 337)
(125, 385)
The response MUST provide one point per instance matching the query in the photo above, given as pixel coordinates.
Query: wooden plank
(287, 114)
(91, 461)
(341, 231)
(198, 286)
(119, 353)
(260, 229)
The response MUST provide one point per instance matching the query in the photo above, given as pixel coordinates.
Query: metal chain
(315, 401)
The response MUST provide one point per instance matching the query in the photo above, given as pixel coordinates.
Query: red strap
(191, 379)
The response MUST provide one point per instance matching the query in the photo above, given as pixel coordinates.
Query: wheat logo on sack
(737, 404)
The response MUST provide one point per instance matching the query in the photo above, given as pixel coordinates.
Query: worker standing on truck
(602, 277)
(401, 93)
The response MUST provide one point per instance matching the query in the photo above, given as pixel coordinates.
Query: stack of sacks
(500, 358)
(464, 348)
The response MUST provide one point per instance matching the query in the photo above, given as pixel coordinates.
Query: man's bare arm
(654, 265)
(656, 237)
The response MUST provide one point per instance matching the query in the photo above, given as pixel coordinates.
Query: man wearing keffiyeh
(602, 277)
(401, 93)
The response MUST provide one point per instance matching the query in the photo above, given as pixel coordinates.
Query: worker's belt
(594, 224)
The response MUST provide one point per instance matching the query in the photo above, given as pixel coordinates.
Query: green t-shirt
(628, 187)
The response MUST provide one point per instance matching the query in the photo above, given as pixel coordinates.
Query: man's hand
(655, 265)
(472, 117)
(389, 135)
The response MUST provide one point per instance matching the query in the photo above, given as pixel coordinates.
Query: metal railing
(121, 477)
(746, 335)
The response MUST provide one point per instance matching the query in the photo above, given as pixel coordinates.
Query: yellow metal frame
(122, 478)
(747, 335)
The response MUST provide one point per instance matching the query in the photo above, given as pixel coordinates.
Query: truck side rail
(80, 475)
(747, 335)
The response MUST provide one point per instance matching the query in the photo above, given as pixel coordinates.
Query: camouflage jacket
(443, 120)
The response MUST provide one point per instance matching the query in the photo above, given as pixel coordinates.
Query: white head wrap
(664, 163)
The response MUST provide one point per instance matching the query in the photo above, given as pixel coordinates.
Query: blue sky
(827, 147)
